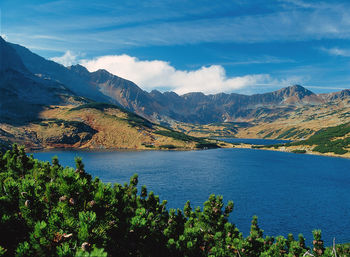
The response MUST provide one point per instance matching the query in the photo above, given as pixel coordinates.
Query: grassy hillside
(48, 210)
(329, 140)
(98, 126)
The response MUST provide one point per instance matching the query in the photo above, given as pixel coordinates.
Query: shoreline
(227, 145)
(115, 149)
(287, 150)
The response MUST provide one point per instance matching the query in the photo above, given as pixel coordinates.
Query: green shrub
(299, 151)
(148, 145)
(167, 147)
(206, 145)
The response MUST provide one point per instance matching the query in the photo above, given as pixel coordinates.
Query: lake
(288, 192)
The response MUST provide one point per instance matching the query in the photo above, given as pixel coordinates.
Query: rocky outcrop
(342, 95)
(61, 133)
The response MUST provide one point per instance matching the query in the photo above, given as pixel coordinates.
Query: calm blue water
(255, 141)
(289, 192)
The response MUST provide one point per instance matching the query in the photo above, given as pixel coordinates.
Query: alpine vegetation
(49, 210)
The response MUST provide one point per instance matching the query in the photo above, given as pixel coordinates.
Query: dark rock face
(9, 58)
(76, 79)
(22, 94)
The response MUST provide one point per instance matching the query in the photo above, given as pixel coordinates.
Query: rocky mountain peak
(296, 95)
(103, 72)
(79, 69)
(194, 96)
(295, 90)
(102, 75)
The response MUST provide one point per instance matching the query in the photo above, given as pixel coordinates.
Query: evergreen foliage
(49, 210)
(298, 151)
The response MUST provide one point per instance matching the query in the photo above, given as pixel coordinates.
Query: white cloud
(260, 60)
(300, 3)
(69, 58)
(161, 75)
(337, 51)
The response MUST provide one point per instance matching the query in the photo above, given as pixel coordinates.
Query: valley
(45, 105)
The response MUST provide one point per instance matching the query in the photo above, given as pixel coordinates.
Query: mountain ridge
(167, 107)
(73, 80)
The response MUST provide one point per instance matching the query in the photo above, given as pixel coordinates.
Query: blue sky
(210, 46)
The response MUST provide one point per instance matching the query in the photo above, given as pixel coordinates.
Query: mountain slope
(23, 95)
(9, 58)
(76, 81)
(125, 92)
(40, 112)
(329, 140)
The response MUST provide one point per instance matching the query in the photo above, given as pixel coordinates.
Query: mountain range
(162, 107)
(29, 84)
